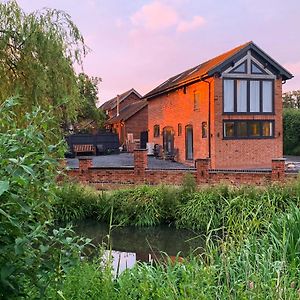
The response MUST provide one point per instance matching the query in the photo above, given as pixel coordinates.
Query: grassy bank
(258, 267)
(236, 211)
(258, 256)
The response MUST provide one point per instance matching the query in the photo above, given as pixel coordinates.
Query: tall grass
(236, 211)
(258, 257)
(258, 268)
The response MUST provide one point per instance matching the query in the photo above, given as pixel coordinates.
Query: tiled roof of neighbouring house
(128, 111)
(215, 65)
(112, 103)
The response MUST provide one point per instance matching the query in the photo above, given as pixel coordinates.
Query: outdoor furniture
(158, 151)
(84, 148)
(100, 148)
(171, 155)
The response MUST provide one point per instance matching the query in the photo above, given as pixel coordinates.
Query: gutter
(209, 117)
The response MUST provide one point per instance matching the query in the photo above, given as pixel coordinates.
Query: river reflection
(131, 244)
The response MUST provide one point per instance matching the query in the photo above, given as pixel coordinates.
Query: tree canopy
(291, 99)
(37, 53)
(88, 90)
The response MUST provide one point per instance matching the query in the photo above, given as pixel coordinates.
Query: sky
(141, 43)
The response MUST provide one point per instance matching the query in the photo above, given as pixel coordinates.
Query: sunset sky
(139, 44)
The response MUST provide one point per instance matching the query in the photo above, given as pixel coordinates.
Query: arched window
(156, 131)
(189, 148)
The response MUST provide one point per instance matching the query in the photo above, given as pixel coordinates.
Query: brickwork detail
(203, 174)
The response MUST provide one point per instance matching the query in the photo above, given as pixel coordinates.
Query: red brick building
(127, 115)
(228, 109)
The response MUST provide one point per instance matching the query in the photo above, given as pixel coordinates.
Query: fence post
(202, 168)
(140, 164)
(278, 169)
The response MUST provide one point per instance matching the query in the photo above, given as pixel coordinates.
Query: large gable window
(248, 96)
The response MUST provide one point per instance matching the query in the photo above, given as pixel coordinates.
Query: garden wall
(140, 174)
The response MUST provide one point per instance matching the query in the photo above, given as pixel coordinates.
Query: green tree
(37, 53)
(31, 255)
(291, 99)
(291, 131)
(88, 90)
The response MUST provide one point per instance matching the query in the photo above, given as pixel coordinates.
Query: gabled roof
(216, 65)
(128, 111)
(112, 103)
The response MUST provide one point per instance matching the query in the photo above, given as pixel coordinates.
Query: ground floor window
(189, 142)
(248, 129)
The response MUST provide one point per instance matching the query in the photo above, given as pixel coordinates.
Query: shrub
(75, 202)
(291, 131)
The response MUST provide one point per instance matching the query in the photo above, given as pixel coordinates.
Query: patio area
(126, 160)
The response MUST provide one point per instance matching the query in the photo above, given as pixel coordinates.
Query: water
(131, 244)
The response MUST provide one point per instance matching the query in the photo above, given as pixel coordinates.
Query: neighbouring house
(128, 116)
(228, 109)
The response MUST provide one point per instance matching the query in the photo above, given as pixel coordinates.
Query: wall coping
(248, 171)
(278, 159)
(113, 168)
(171, 169)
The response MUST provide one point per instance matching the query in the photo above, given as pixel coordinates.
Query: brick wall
(108, 178)
(178, 107)
(137, 123)
(245, 153)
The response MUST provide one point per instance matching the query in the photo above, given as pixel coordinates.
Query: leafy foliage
(37, 55)
(88, 90)
(28, 170)
(291, 131)
(291, 99)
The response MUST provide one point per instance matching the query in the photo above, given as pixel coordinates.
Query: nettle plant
(30, 253)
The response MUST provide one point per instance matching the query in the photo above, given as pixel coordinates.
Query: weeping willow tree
(37, 54)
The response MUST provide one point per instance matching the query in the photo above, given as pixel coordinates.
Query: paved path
(126, 160)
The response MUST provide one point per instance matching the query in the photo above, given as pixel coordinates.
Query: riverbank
(257, 256)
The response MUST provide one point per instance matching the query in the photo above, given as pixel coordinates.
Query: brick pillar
(85, 164)
(84, 173)
(278, 169)
(140, 164)
(62, 164)
(202, 167)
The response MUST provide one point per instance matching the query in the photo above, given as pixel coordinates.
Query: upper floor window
(248, 96)
(179, 129)
(196, 101)
(156, 131)
(204, 129)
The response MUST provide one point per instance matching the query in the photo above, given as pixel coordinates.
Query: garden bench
(84, 148)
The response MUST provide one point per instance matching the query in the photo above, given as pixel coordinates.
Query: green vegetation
(237, 211)
(291, 131)
(30, 253)
(88, 91)
(38, 51)
(264, 265)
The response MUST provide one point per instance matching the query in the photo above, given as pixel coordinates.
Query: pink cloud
(184, 26)
(155, 16)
